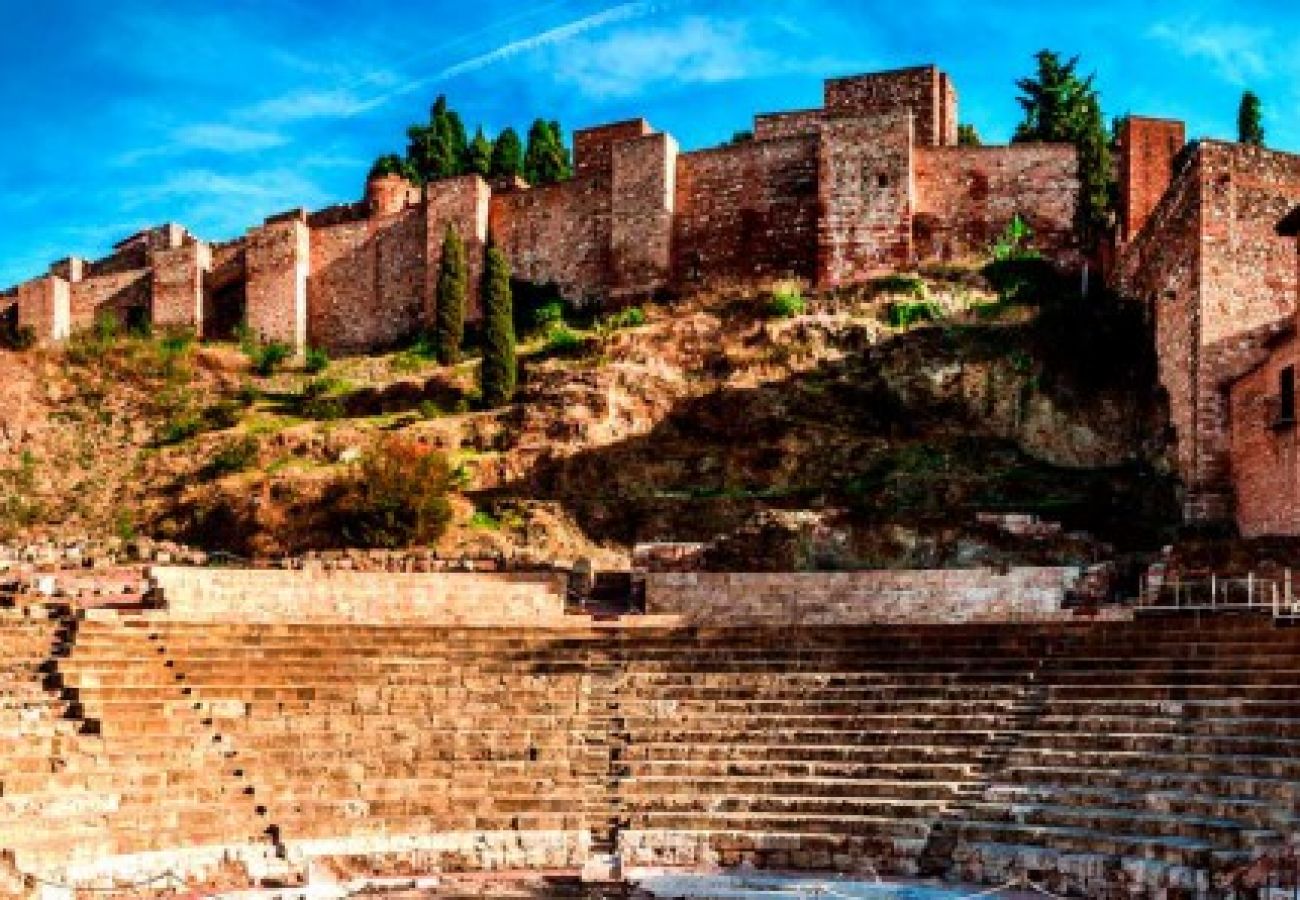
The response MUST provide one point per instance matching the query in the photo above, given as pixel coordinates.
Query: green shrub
(124, 525)
(268, 357)
(564, 341)
(1014, 242)
(396, 497)
(429, 409)
(905, 315)
(548, 315)
(248, 394)
(484, 521)
(180, 426)
(786, 302)
(222, 415)
(632, 317)
(901, 283)
(1028, 280)
(320, 399)
(233, 456)
(316, 360)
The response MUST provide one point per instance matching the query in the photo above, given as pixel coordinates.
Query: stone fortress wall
(872, 181)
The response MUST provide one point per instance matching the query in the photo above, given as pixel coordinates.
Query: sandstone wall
(746, 213)
(1219, 283)
(557, 233)
(850, 598)
(462, 203)
(114, 294)
(268, 595)
(178, 286)
(44, 305)
(1265, 454)
(278, 258)
(367, 282)
(795, 123)
(1147, 150)
(865, 191)
(641, 223)
(593, 148)
(924, 91)
(966, 197)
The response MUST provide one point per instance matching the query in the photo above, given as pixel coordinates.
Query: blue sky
(218, 113)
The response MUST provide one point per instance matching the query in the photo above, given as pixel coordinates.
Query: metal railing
(1272, 595)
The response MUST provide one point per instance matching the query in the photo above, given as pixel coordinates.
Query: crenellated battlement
(871, 182)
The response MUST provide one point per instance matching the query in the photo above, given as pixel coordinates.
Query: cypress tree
(564, 161)
(507, 155)
(479, 161)
(498, 372)
(449, 317)
(1250, 120)
(1062, 107)
(967, 136)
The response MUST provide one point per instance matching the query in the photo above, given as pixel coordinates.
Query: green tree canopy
(479, 158)
(449, 316)
(967, 136)
(498, 372)
(507, 155)
(546, 160)
(389, 164)
(1250, 120)
(1060, 106)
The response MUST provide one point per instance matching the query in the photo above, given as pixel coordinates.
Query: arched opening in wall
(226, 310)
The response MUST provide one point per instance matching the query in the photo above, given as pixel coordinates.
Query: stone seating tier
(1166, 749)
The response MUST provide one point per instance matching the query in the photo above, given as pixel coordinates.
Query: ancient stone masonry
(1219, 283)
(871, 182)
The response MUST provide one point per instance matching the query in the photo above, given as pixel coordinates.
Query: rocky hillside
(890, 417)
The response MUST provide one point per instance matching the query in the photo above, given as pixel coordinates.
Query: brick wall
(1265, 454)
(1220, 284)
(850, 598)
(746, 212)
(277, 258)
(593, 148)
(367, 283)
(178, 286)
(966, 196)
(268, 595)
(44, 305)
(463, 203)
(1147, 149)
(865, 192)
(924, 91)
(557, 233)
(641, 220)
(115, 294)
(796, 123)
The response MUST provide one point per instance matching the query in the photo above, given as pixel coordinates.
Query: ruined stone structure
(1220, 285)
(361, 727)
(872, 182)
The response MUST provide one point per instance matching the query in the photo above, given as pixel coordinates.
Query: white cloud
(696, 50)
(226, 138)
(560, 34)
(1238, 53)
(310, 103)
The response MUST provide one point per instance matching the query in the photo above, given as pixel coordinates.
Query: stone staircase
(1152, 755)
